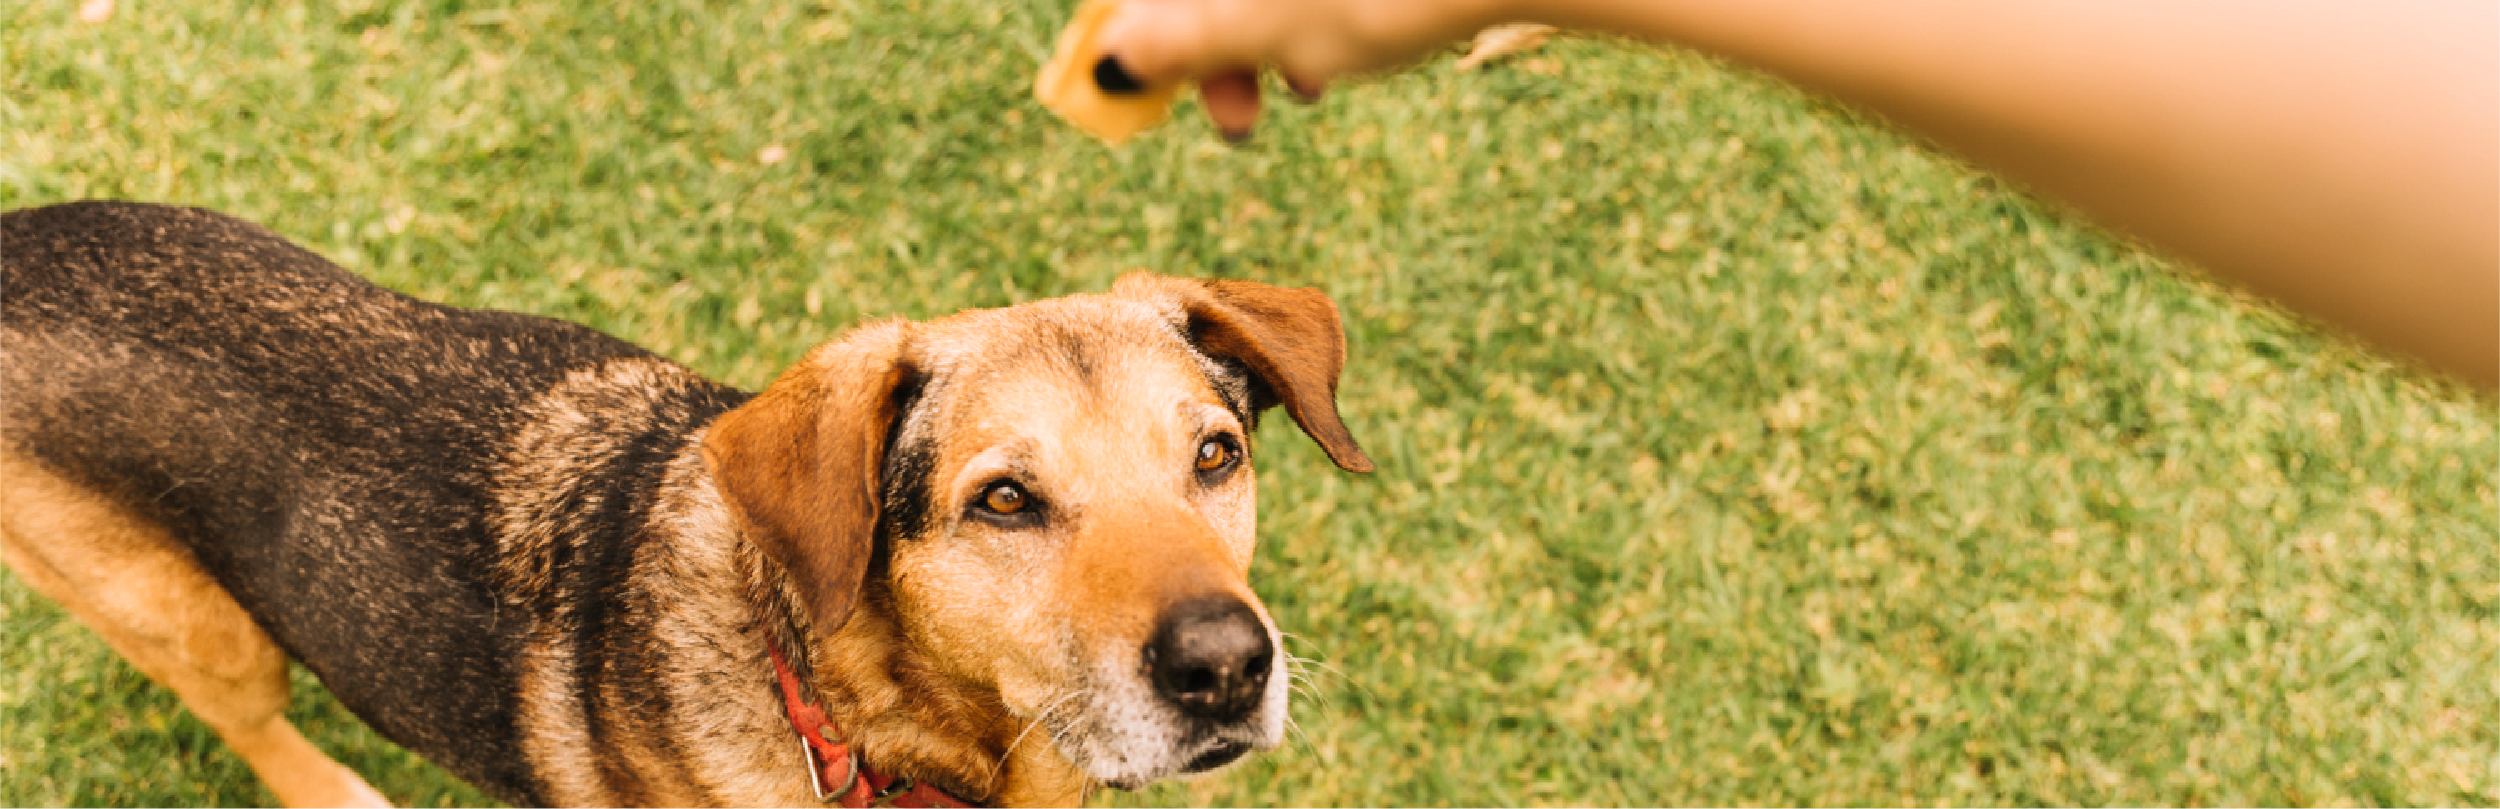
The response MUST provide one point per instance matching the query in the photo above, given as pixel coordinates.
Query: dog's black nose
(1210, 657)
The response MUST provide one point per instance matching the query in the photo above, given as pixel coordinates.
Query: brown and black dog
(1005, 551)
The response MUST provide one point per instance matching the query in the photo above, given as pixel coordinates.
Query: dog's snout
(1210, 657)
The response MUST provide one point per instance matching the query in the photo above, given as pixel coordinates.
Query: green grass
(1733, 449)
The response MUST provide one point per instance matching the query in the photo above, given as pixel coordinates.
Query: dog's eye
(1004, 498)
(1214, 454)
(1218, 456)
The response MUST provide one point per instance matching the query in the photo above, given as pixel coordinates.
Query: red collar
(838, 773)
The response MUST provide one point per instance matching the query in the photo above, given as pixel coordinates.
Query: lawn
(1733, 448)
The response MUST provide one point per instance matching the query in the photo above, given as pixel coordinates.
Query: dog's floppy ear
(798, 465)
(1289, 338)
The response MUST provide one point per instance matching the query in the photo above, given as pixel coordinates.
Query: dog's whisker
(1086, 787)
(1301, 677)
(1081, 790)
(1038, 719)
(1314, 664)
(1303, 660)
(1307, 669)
(1293, 730)
(1058, 737)
(1297, 637)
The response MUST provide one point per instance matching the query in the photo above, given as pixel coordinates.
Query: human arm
(2342, 158)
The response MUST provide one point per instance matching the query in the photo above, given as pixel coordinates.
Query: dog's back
(150, 349)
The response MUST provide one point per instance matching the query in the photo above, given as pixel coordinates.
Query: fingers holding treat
(1096, 91)
(1120, 63)
(1114, 91)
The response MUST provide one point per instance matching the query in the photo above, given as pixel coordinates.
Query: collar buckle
(819, 749)
(816, 774)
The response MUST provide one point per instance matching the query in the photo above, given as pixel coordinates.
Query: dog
(999, 557)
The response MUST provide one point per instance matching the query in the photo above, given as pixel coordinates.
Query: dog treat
(1091, 90)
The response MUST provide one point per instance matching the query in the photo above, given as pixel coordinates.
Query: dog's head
(1057, 501)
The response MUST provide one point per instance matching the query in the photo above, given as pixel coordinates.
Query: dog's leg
(134, 584)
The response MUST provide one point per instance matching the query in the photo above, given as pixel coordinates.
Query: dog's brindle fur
(550, 561)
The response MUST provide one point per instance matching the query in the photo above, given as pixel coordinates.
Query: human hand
(1222, 44)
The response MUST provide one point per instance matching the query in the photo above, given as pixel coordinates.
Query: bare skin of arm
(2342, 158)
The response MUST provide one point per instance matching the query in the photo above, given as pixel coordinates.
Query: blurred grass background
(1733, 449)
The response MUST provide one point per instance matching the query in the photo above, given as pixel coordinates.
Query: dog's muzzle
(1201, 693)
